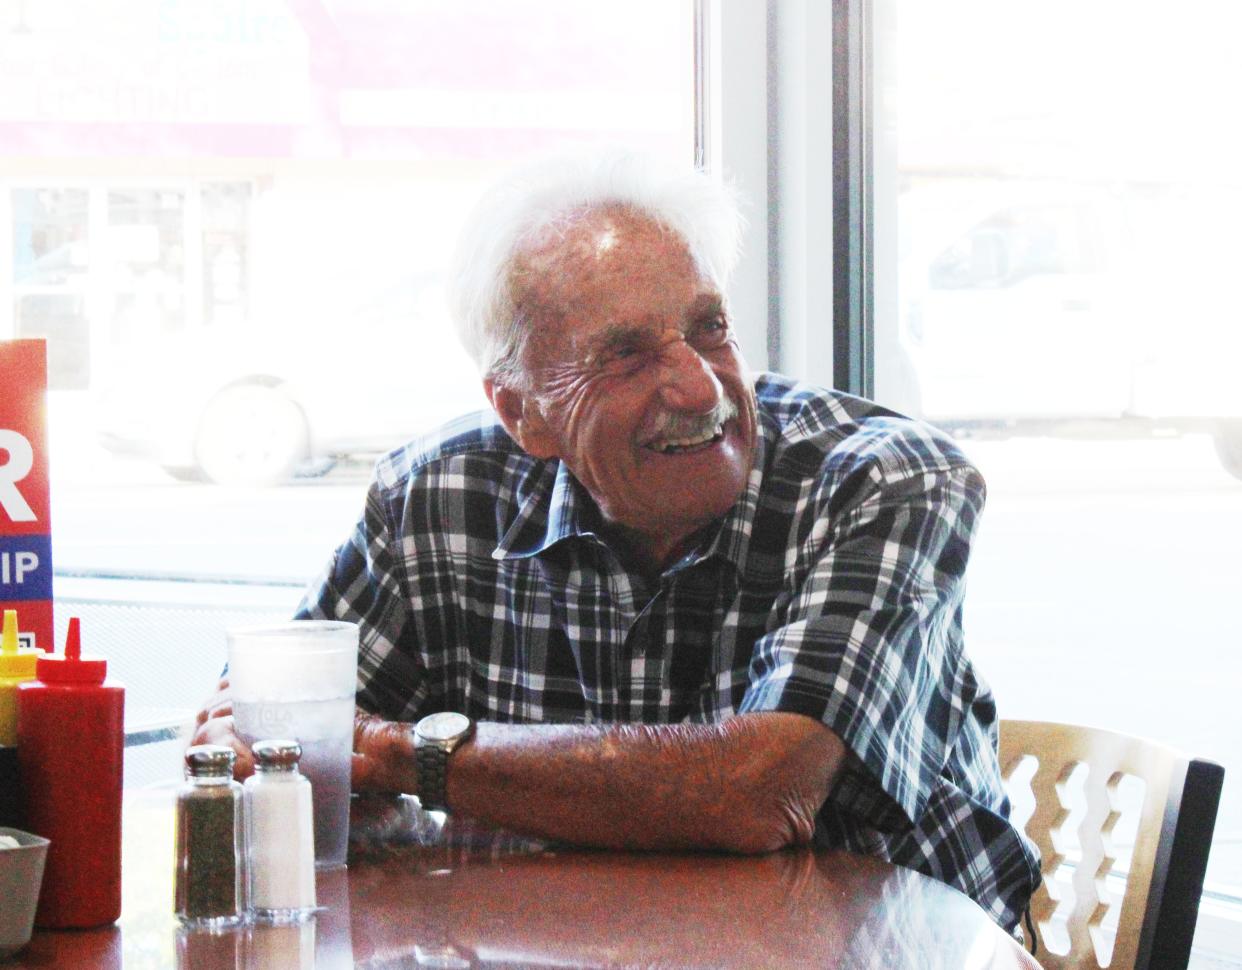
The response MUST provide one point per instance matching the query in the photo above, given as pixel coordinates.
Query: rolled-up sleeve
(867, 637)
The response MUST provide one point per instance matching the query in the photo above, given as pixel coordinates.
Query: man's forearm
(752, 783)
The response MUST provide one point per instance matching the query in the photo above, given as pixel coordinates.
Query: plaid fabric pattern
(483, 582)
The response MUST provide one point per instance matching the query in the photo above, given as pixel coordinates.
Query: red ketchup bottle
(70, 744)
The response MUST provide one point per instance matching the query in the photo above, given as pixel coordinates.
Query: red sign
(25, 509)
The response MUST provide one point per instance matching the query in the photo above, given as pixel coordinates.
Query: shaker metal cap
(278, 754)
(209, 759)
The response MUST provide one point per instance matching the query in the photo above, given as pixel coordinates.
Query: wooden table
(422, 892)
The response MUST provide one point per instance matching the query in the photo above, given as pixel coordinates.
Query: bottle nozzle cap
(73, 639)
(15, 663)
(8, 639)
(71, 667)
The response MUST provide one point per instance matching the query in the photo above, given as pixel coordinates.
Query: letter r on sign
(20, 461)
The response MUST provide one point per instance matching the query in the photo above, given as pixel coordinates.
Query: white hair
(517, 209)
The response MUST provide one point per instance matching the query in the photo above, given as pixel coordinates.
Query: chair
(1160, 903)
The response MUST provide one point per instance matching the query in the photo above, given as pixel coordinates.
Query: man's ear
(522, 418)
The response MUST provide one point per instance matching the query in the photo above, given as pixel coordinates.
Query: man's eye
(620, 357)
(713, 331)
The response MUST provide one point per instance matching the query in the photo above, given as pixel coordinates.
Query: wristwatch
(436, 737)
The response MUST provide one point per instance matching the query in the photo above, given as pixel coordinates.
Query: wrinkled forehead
(595, 251)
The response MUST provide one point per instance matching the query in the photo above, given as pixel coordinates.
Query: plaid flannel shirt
(483, 582)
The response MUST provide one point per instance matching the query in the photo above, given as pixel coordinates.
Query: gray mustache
(672, 425)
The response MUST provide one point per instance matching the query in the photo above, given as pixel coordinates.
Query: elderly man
(651, 601)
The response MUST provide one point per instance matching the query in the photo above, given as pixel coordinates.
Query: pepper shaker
(280, 834)
(210, 874)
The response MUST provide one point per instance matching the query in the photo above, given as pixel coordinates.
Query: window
(231, 222)
(49, 229)
(1056, 206)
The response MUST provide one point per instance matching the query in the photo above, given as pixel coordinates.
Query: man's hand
(383, 756)
(214, 725)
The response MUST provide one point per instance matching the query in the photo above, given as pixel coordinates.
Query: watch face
(443, 726)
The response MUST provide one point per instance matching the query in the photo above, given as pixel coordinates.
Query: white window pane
(1058, 196)
(232, 220)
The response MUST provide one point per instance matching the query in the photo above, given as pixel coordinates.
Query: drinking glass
(296, 680)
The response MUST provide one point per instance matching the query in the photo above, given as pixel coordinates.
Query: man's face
(639, 384)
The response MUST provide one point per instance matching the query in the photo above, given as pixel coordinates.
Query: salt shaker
(280, 834)
(210, 874)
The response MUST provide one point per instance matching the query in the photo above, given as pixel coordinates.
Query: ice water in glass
(297, 681)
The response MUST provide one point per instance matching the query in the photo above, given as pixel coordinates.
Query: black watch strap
(431, 760)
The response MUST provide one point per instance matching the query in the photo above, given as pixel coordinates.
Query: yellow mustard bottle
(16, 665)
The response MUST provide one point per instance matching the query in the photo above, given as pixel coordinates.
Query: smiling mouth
(677, 446)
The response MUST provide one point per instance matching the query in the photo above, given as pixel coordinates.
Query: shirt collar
(560, 508)
(557, 508)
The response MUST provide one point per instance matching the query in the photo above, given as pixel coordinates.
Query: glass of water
(297, 680)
